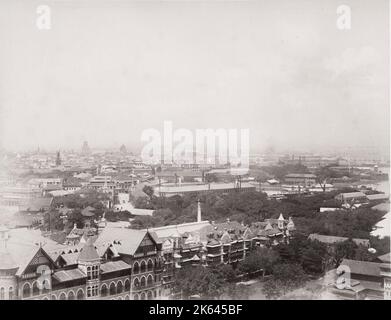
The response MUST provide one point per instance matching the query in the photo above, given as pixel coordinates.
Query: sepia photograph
(211, 151)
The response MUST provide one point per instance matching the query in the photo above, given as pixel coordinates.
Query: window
(136, 268)
(89, 274)
(11, 293)
(143, 266)
(93, 272)
(2, 294)
(103, 291)
(119, 287)
(150, 265)
(80, 295)
(127, 285)
(35, 288)
(113, 289)
(92, 291)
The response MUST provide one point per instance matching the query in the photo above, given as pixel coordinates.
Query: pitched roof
(88, 211)
(362, 267)
(68, 275)
(378, 196)
(125, 240)
(113, 266)
(353, 195)
(300, 175)
(168, 231)
(334, 239)
(385, 258)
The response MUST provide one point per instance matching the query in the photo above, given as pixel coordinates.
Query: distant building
(302, 179)
(168, 190)
(58, 159)
(85, 149)
(122, 149)
(359, 280)
(352, 197)
(331, 240)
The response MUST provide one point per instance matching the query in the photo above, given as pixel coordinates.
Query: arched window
(136, 268)
(2, 293)
(46, 286)
(150, 280)
(142, 282)
(89, 273)
(71, 295)
(149, 297)
(62, 296)
(103, 290)
(127, 297)
(143, 266)
(136, 297)
(127, 285)
(11, 293)
(143, 296)
(112, 289)
(53, 297)
(26, 290)
(120, 287)
(80, 295)
(35, 288)
(136, 283)
(150, 265)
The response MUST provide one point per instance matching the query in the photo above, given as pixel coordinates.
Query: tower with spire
(89, 263)
(85, 149)
(58, 159)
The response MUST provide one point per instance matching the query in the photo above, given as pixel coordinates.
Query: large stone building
(121, 264)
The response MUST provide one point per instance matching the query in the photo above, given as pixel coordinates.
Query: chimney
(199, 211)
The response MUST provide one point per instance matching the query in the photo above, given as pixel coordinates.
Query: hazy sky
(106, 70)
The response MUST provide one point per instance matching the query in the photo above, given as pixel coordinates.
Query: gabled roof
(385, 258)
(362, 267)
(125, 240)
(334, 239)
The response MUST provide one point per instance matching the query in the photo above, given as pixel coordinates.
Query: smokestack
(199, 211)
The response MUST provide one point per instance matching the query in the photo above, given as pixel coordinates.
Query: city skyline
(290, 76)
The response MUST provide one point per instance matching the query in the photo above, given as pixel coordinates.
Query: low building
(168, 190)
(332, 240)
(358, 280)
(301, 179)
(352, 197)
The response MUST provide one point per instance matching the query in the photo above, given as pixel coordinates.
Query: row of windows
(92, 272)
(92, 291)
(28, 290)
(147, 296)
(3, 293)
(114, 289)
(144, 267)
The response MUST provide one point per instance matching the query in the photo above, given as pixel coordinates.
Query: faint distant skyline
(109, 69)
